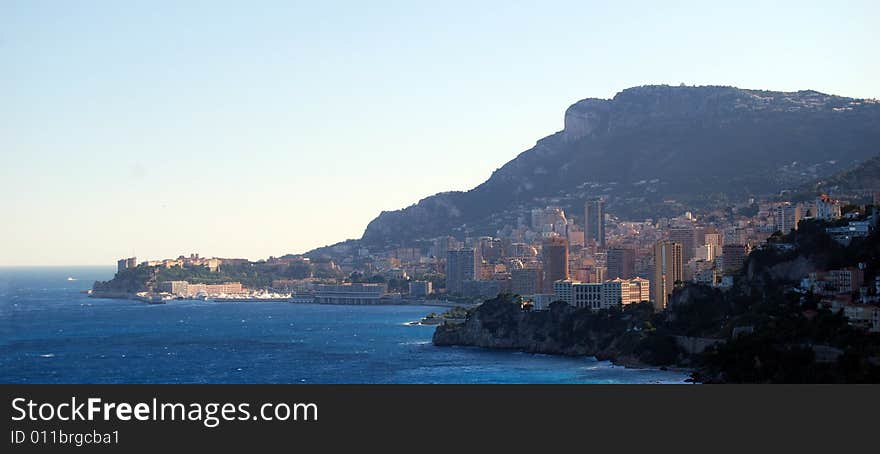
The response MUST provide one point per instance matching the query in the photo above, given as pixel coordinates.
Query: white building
(826, 209)
(844, 235)
(786, 217)
(563, 291)
(595, 296)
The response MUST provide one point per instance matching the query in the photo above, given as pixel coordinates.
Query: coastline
(625, 362)
(628, 361)
(565, 331)
(401, 302)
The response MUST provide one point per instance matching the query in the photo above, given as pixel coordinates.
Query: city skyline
(262, 131)
(542, 261)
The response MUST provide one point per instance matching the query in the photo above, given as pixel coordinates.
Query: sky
(260, 128)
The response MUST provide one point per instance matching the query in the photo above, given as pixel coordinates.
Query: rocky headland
(625, 337)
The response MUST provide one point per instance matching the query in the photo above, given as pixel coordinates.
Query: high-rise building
(420, 288)
(668, 269)
(786, 217)
(620, 263)
(554, 255)
(594, 221)
(700, 233)
(686, 237)
(526, 281)
(713, 239)
(706, 252)
(522, 250)
(549, 219)
(461, 265)
(491, 249)
(444, 244)
(575, 236)
(733, 256)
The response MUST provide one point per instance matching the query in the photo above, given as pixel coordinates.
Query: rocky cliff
(563, 330)
(647, 145)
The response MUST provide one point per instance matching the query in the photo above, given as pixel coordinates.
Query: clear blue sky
(254, 128)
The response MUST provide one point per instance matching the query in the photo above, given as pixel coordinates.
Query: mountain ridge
(652, 151)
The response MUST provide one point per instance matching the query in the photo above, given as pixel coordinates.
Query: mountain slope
(863, 179)
(647, 145)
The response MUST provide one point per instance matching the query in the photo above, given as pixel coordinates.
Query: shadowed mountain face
(863, 179)
(654, 150)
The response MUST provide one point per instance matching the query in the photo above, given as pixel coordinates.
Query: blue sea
(50, 332)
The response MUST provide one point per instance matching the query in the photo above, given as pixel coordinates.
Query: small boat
(71, 279)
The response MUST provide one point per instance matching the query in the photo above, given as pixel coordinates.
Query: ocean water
(52, 333)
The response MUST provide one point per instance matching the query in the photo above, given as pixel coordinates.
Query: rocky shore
(623, 337)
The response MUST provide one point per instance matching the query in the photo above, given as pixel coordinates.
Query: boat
(71, 279)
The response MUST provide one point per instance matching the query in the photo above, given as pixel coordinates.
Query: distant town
(591, 260)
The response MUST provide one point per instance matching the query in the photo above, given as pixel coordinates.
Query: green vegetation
(456, 312)
(811, 243)
(786, 331)
(394, 284)
(759, 331)
(854, 181)
(131, 280)
(740, 147)
(616, 333)
(782, 348)
(252, 275)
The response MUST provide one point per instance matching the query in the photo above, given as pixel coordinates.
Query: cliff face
(649, 144)
(562, 330)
